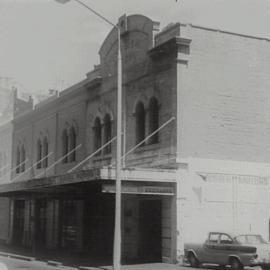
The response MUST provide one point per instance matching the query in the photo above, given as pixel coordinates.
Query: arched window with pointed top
(23, 159)
(2, 163)
(5, 162)
(73, 142)
(107, 133)
(39, 154)
(45, 152)
(140, 122)
(97, 134)
(18, 159)
(153, 120)
(65, 143)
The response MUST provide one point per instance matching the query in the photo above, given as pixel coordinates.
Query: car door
(210, 248)
(224, 248)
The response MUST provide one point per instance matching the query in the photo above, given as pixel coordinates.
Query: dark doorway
(99, 226)
(18, 222)
(150, 231)
(69, 227)
(40, 221)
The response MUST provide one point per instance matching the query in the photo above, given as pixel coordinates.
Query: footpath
(78, 262)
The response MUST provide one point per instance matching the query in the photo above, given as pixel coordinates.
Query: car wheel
(236, 264)
(193, 260)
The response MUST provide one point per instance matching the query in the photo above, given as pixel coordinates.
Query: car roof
(233, 234)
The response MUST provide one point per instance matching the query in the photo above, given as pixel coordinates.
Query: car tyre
(236, 264)
(193, 260)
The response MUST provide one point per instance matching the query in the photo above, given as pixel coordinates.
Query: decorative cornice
(180, 43)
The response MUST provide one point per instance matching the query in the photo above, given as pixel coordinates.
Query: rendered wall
(224, 96)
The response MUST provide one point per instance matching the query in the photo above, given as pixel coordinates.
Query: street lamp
(117, 226)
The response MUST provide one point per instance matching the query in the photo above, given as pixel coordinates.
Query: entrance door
(41, 220)
(18, 224)
(150, 230)
(99, 226)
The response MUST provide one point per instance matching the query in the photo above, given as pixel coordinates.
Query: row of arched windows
(102, 134)
(20, 159)
(146, 122)
(153, 121)
(42, 153)
(103, 131)
(69, 140)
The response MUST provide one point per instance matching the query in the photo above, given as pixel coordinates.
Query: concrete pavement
(149, 266)
(17, 264)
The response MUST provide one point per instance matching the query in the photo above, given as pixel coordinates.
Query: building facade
(10, 106)
(195, 144)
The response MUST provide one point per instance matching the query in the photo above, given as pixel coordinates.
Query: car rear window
(225, 239)
(250, 239)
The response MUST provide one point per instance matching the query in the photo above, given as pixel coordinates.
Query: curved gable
(136, 40)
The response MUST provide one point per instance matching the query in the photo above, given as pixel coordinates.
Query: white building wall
(219, 195)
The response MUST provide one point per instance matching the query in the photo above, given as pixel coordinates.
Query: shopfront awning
(57, 182)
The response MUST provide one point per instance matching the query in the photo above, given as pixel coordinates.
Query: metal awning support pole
(13, 169)
(60, 159)
(144, 140)
(19, 175)
(92, 155)
(4, 167)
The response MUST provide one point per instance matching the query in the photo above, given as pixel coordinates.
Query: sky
(47, 45)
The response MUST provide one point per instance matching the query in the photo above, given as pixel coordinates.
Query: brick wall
(225, 96)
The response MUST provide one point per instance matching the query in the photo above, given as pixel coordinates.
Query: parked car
(229, 249)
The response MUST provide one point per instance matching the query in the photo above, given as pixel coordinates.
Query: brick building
(207, 91)
(10, 106)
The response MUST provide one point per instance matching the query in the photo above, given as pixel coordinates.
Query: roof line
(224, 31)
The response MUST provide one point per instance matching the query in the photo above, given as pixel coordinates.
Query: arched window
(107, 133)
(5, 162)
(65, 146)
(22, 159)
(72, 134)
(97, 134)
(140, 122)
(153, 120)
(45, 152)
(18, 160)
(2, 164)
(39, 154)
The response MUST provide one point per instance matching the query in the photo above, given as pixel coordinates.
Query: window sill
(102, 157)
(147, 147)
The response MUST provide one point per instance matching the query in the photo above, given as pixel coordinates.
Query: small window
(73, 142)
(18, 160)
(45, 152)
(225, 239)
(1, 164)
(23, 159)
(153, 120)
(140, 122)
(107, 133)
(65, 146)
(213, 238)
(39, 154)
(97, 134)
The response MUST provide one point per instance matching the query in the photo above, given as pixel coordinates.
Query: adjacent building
(10, 106)
(196, 143)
